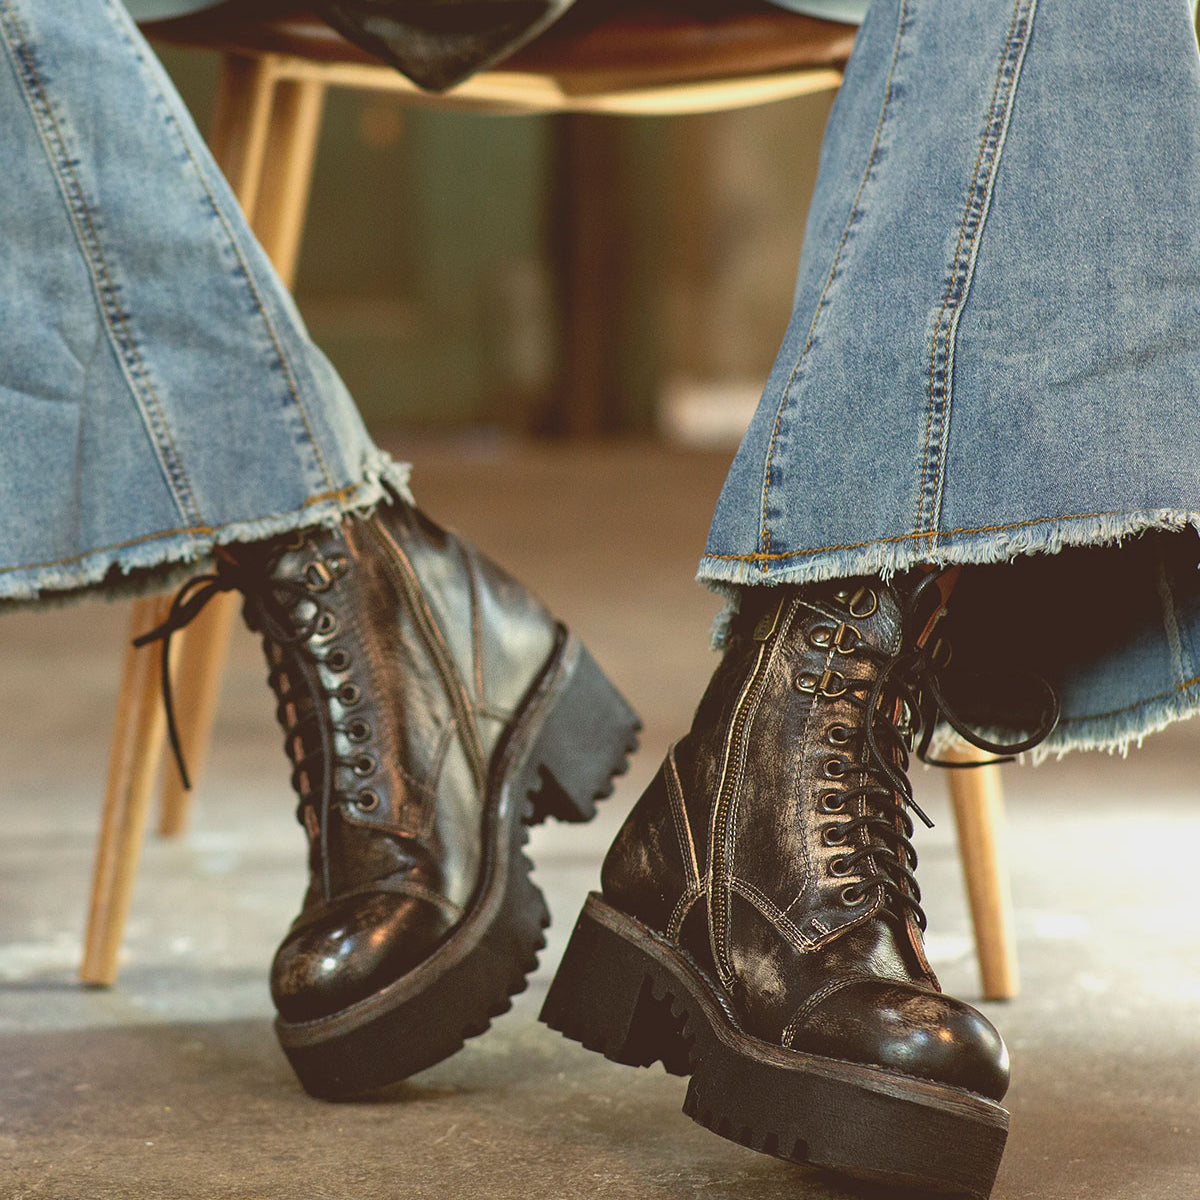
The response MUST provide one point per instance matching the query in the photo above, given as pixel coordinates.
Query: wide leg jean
(993, 360)
(994, 355)
(158, 392)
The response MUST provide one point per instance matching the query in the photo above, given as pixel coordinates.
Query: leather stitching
(722, 838)
(769, 909)
(683, 828)
(805, 1010)
(679, 913)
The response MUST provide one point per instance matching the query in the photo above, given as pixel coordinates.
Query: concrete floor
(171, 1085)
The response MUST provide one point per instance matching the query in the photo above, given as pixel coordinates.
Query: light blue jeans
(158, 391)
(994, 352)
(994, 357)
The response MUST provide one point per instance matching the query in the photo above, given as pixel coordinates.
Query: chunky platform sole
(627, 993)
(573, 734)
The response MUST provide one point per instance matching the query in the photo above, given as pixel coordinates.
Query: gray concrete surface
(171, 1085)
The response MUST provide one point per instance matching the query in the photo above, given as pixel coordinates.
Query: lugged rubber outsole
(628, 994)
(573, 734)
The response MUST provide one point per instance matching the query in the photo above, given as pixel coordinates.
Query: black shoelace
(276, 614)
(900, 707)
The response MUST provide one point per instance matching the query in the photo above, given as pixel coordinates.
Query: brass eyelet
(831, 802)
(860, 603)
(852, 895)
(833, 835)
(835, 768)
(367, 801)
(317, 576)
(838, 735)
(844, 639)
(829, 684)
(838, 866)
(364, 765)
(337, 660)
(358, 731)
(349, 694)
(326, 623)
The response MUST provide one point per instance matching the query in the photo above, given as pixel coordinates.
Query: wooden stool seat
(657, 41)
(617, 56)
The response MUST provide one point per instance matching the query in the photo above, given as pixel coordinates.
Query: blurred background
(550, 274)
(565, 322)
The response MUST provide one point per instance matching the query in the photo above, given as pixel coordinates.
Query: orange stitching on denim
(962, 234)
(765, 535)
(201, 530)
(909, 537)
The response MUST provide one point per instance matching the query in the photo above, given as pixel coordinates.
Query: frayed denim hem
(1113, 731)
(156, 562)
(888, 556)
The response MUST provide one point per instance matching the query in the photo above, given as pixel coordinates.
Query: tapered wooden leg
(138, 736)
(979, 815)
(253, 140)
(264, 137)
(286, 177)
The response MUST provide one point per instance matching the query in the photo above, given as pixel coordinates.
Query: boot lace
(288, 612)
(900, 708)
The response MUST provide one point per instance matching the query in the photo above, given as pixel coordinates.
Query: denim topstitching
(201, 530)
(765, 536)
(962, 272)
(945, 533)
(247, 277)
(84, 222)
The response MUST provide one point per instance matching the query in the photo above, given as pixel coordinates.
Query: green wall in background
(424, 273)
(449, 257)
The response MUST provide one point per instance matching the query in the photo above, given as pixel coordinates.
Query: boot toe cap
(911, 1030)
(349, 953)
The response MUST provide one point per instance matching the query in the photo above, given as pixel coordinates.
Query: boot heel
(585, 740)
(604, 997)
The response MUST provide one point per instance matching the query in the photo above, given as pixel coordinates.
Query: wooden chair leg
(262, 129)
(264, 138)
(139, 735)
(979, 816)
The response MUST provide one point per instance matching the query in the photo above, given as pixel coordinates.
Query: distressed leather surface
(733, 851)
(424, 651)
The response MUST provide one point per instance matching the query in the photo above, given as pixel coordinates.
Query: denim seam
(962, 271)
(194, 530)
(272, 333)
(909, 537)
(768, 470)
(86, 227)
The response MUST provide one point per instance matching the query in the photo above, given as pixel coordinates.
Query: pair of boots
(759, 924)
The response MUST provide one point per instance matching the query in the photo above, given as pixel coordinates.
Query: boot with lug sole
(432, 710)
(759, 925)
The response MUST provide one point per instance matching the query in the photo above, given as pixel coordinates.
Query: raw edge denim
(995, 347)
(159, 394)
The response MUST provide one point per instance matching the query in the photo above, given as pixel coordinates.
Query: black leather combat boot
(759, 925)
(432, 709)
